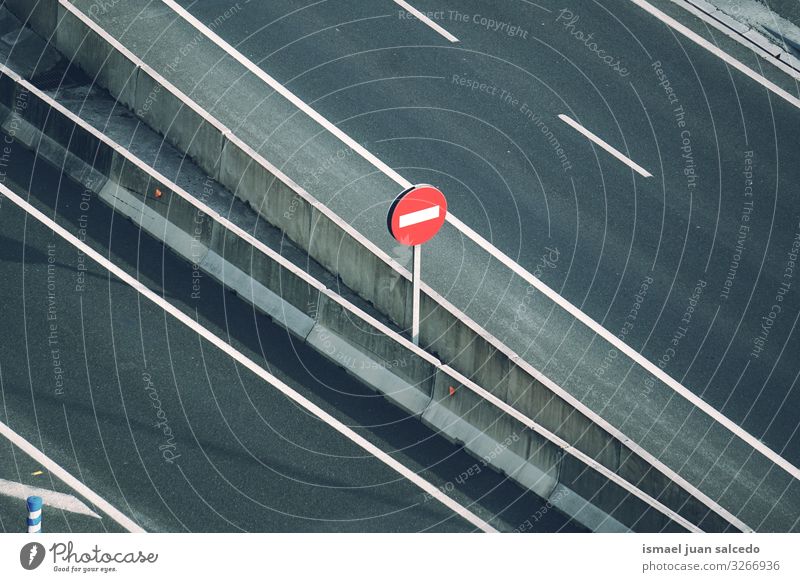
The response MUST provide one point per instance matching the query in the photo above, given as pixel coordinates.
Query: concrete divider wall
(408, 376)
(41, 15)
(511, 379)
(181, 125)
(287, 207)
(602, 493)
(476, 357)
(467, 418)
(635, 470)
(208, 234)
(538, 463)
(73, 138)
(330, 242)
(106, 65)
(598, 491)
(418, 371)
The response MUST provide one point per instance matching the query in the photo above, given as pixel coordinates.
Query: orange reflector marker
(452, 390)
(158, 193)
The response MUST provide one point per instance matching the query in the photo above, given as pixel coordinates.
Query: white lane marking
(50, 498)
(715, 50)
(583, 457)
(413, 218)
(426, 20)
(50, 464)
(631, 353)
(709, 20)
(343, 429)
(207, 211)
(497, 253)
(287, 94)
(606, 146)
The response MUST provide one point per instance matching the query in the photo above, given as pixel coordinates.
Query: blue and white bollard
(34, 514)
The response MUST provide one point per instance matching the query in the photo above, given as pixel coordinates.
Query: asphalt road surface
(168, 428)
(710, 234)
(690, 259)
(683, 244)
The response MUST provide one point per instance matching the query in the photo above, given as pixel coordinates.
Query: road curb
(746, 35)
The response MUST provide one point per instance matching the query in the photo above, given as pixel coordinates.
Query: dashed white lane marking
(207, 211)
(502, 257)
(50, 498)
(413, 218)
(49, 463)
(696, 38)
(605, 145)
(420, 16)
(215, 340)
(497, 253)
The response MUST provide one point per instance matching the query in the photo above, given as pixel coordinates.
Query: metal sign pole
(415, 280)
(414, 218)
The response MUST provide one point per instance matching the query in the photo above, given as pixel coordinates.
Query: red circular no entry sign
(417, 214)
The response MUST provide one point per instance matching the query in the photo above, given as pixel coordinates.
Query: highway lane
(407, 93)
(647, 412)
(168, 428)
(18, 468)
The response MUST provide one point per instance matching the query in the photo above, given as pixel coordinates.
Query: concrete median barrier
(475, 354)
(374, 354)
(270, 194)
(414, 366)
(365, 347)
(619, 503)
(108, 66)
(181, 125)
(42, 16)
(498, 440)
(76, 140)
(318, 315)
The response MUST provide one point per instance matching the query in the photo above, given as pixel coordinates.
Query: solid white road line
(54, 467)
(426, 20)
(606, 146)
(283, 91)
(207, 211)
(50, 498)
(497, 253)
(693, 36)
(215, 340)
(635, 356)
(413, 218)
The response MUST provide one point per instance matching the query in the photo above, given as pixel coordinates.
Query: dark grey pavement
(396, 86)
(17, 467)
(168, 428)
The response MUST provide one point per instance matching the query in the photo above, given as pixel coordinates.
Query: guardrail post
(34, 514)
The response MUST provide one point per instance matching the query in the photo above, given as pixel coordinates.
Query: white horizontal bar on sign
(424, 215)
